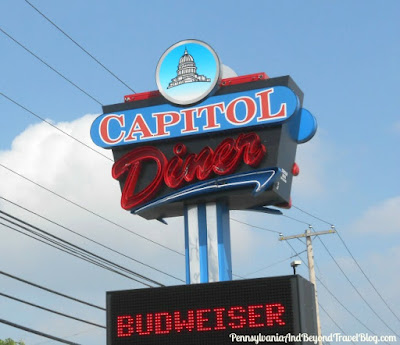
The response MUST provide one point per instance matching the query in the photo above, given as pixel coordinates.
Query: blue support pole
(207, 243)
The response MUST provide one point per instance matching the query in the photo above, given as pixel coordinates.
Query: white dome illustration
(186, 72)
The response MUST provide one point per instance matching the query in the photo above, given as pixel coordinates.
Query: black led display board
(213, 313)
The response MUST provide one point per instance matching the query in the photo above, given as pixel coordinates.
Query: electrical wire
(70, 335)
(51, 291)
(54, 126)
(74, 248)
(91, 240)
(52, 68)
(41, 60)
(51, 310)
(80, 256)
(78, 45)
(72, 137)
(295, 219)
(332, 294)
(89, 95)
(30, 330)
(89, 211)
(366, 277)
(330, 317)
(80, 142)
(12, 38)
(356, 290)
(275, 263)
(354, 259)
(311, 215)
(254, 226)
(298, 255)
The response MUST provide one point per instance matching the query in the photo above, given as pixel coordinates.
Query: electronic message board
(213, 313)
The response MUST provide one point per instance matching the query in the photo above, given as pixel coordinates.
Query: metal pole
(207, 242)
(310, 255)
(311, 269)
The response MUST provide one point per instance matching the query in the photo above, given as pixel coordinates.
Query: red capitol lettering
(183, 167)
(202, 320)
(214, 115)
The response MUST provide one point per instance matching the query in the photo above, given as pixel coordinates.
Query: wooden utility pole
(310, 255)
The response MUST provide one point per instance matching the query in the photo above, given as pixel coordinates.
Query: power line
(30, 330)
(354, 259)
(355, 288)
(70, 335)
(80, 142)
(311, 215)
(51, 310)
(298, 255)
(72, 137)
(78, 45)
(76, 249)
(54, 126)
(254, 226)
(366, 277)
(73, 253)
(340, 329)
(91, 240)
(331, 293)
(41, 60)
(275, 263)
(90, 211)
(51, 291)
(295, 219)
(52, 68)
(343, 306)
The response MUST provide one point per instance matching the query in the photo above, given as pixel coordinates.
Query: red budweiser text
(202, 320)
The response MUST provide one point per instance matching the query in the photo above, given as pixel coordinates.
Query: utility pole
(310, 255)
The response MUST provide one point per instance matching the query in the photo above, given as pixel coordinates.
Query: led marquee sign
(211, 313)
(237, 144)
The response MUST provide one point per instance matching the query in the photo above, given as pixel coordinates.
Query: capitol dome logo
(188, 72)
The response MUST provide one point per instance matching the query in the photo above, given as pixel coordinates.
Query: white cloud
(227, 72)
(396, 127)
(310, 158)
(382, 218)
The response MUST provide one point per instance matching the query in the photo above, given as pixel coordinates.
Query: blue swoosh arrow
(262, 179)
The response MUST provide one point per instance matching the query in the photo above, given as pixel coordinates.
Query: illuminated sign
(199, 139)
(239, 144)
(211, 313)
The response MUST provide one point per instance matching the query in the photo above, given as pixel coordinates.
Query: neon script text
(184, 167)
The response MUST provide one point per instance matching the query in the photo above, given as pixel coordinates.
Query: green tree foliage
(11, 342)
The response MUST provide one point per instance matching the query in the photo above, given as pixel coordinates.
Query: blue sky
(344, 55)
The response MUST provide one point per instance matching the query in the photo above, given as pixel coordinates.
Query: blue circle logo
(188, 72)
